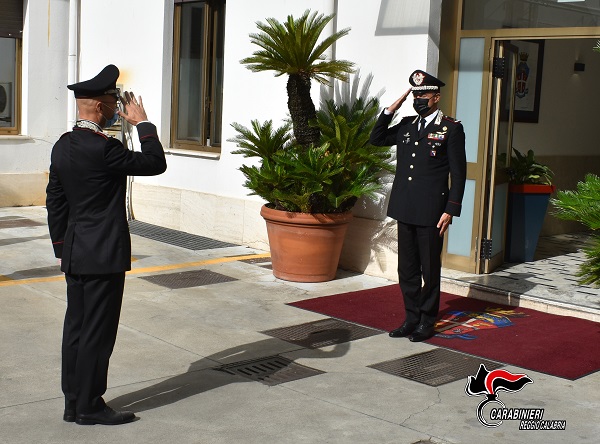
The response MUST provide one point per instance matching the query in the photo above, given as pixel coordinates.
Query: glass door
(472, 86)
(484, 104)
(499, 152)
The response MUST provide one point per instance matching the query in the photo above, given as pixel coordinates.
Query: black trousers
(419, 271)
(89, 335)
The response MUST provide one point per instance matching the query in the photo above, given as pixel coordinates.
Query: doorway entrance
(553, 123)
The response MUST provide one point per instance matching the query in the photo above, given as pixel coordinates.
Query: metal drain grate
(272, 370)
(263, 262)
(435, 367)
(174, 237)
(18, 222)
(322, 333)
(187, 279)
(260, 260)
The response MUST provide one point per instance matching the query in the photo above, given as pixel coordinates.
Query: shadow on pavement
(203, 375)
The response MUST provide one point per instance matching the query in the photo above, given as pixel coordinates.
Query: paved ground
(550, 283)
(171, 341)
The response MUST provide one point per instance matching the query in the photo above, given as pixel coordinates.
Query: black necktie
(422, 124)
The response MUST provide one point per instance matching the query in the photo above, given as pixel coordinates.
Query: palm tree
(291, 48)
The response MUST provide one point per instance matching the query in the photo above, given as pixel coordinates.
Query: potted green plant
(530, 187)
(583, 205)
(313, 169)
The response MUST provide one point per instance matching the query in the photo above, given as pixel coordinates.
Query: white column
(73, 60)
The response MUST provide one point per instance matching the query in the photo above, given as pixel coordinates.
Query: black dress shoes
(422, 333)
(107, 416)
(403, 331)
(69, 415)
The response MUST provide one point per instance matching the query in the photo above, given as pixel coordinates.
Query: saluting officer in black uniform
(430, 149)
(88, 226)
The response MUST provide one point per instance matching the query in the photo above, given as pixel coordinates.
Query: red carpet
(557, 345)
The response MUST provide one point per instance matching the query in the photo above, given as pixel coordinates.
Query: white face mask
(110, 122)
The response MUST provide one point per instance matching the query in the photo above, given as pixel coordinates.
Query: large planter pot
(527, 205)
(305, 247)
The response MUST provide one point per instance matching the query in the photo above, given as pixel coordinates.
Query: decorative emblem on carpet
(463, 324)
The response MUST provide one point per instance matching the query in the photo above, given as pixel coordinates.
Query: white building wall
(204, 194)
(131, 35)
(389, 39)
(24, 159)
(246, 96)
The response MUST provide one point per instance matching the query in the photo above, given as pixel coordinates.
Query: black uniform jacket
(420, 193)
(85, 197)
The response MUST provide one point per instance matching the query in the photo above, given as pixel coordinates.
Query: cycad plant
(325, 178)
(293, 48)
(583, 205)
(346, 117)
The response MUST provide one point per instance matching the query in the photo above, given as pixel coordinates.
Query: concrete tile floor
(171, 340)
(549, 283)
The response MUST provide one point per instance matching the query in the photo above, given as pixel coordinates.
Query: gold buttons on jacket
(412, 166)
(413, 154)
(410, 178)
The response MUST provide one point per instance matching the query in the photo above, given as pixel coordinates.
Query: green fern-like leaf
(292, 48)
(262, 140)
(583, 205)
(589, 271)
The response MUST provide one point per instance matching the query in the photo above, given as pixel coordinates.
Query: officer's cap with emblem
(105, 83)
(422, 81)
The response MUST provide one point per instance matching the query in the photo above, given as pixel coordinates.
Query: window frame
(209, 71)
(16, 93)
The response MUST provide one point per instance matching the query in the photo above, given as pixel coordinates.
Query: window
(496, 14)
(11, 29)
(198, 75)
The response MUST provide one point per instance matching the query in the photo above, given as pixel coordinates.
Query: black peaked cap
(422, 81)
(104, 83)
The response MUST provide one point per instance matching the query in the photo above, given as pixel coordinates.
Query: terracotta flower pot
(305, 247)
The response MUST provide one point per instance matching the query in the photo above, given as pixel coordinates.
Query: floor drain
(259, 260)
(174, 237)
(435, 367)
(187, 279)
(272, 370)
(322, 333)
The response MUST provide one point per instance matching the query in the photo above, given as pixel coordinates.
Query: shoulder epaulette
(450, 119)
